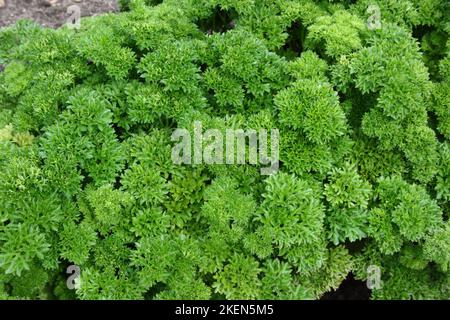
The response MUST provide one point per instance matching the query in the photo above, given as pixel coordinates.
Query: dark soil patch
(350, 289)
(49, 15)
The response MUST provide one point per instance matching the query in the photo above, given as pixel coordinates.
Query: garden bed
(50, 13)
(89, 180)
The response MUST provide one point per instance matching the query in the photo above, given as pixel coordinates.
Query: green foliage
(87, 178)
(348, 196)
(338, 34)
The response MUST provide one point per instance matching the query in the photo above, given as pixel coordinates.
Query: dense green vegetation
(87, 179)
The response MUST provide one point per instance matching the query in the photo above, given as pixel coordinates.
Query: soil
(350, 289)
(50, 13)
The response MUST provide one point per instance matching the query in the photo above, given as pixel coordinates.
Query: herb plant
(87, 179)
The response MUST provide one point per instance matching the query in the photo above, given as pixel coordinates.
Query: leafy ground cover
(360, 94)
